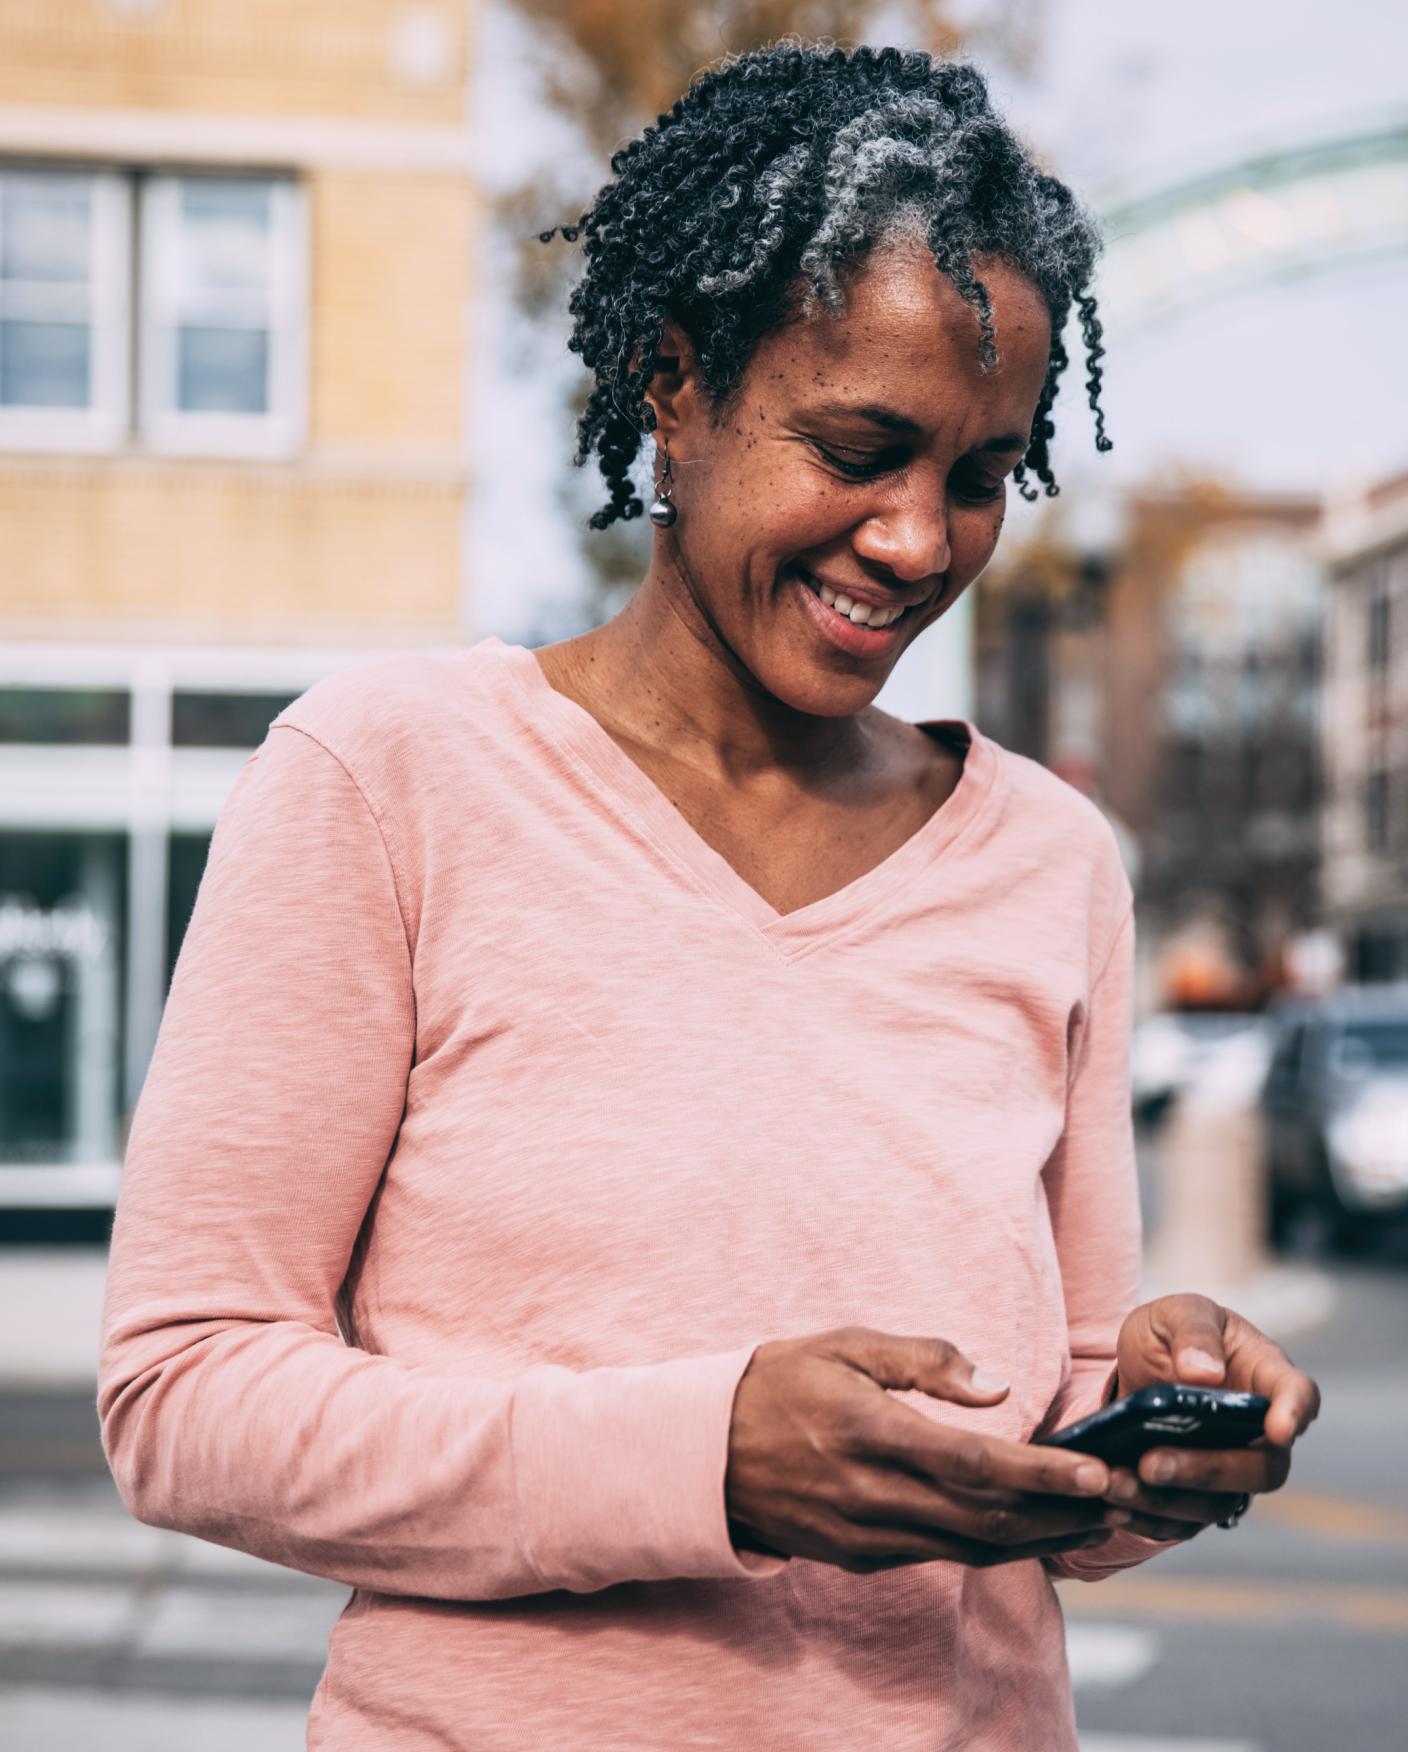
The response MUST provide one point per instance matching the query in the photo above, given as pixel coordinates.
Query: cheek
(796, 508)
(973, 535)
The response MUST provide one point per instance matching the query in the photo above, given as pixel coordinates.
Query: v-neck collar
(616, 778)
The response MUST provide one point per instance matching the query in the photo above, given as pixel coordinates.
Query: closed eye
(981, 490)
(871, 464)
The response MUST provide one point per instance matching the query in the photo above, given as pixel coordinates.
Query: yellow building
(236, 274)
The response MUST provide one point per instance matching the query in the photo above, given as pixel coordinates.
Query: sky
(1295, 387)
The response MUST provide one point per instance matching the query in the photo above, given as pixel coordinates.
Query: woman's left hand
(1195, 1340)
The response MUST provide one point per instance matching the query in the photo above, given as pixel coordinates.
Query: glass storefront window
(188, 853)
(68, 715)
(63, 901)
(224, 720)
(63, 992)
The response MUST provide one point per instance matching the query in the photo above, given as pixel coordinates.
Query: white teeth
(860, 614)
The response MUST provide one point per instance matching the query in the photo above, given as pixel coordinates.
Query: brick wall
(360, 531)
(191, 548)
(374, 60)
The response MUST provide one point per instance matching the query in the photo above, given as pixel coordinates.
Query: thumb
(932, 1365)
(1196, 1339)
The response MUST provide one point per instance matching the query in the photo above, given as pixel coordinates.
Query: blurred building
(1172, 673)
(235, 297)
(1366, 731)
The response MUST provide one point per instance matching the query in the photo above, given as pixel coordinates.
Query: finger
(1295, 1402)
(890, 1498)
(1199, 1507)
(1259, 1364)
(1216, 1469)
(947, 1457)
(914, 1363)
(1192, 1327)
(883, 1548)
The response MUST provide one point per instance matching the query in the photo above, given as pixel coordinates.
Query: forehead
(908, 338)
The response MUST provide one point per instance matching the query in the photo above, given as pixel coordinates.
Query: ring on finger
(1239, 1508)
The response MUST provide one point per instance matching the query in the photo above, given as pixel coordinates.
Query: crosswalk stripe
(1161, 1743)
(1108, 1655)
(45, 1721)
(1333, 1517)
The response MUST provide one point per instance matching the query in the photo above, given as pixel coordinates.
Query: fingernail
(983, 1382)
(1162, 1470)
(1123, 1487)
(1090, 1477)
(1201, 1359)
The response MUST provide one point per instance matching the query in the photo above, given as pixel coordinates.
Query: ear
(675, 390)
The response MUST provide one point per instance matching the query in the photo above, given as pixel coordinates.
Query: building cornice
(364, 468)
(130, 136)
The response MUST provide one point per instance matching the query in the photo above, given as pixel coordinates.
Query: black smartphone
(1167, 1415)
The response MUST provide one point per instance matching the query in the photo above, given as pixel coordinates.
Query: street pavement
(1287, 1634)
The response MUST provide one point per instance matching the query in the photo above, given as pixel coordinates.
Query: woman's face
(866, 451)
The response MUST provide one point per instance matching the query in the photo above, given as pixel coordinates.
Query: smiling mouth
(878, 619)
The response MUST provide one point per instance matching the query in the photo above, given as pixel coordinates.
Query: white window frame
(281, 430)
(106, 422)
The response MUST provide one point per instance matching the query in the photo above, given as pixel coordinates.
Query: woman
(619, 1106)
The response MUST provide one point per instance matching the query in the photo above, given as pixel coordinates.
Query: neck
(660, 673)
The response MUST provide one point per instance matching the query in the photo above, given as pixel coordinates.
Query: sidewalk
(51, 1304)
(136, 1639)
(91, 1597)
(140, 1639)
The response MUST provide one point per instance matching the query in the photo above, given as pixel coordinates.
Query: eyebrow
(892, 421)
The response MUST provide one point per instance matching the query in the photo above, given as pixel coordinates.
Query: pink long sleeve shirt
(494, 1121)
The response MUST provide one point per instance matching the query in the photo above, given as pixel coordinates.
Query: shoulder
(1071, 847)
(1054, 804)
(382, 716)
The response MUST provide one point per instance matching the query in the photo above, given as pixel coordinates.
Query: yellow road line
(1333, 1517)
(1271, 1602)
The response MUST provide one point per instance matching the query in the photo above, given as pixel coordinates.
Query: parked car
(1335, 1102)
(1170, 1049)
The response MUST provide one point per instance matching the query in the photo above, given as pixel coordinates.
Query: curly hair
(774, 175)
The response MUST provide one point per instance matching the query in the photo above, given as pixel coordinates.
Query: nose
(911, 541)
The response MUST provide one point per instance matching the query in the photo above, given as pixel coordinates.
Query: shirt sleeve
(1092, 1189)
(231, 1405)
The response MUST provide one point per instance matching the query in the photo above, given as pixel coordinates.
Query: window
(1376, 809)
(1285, 1060)
(217, 354)
(1378, 622)
(222, 320)
(224, 720)
(43, 716)
(64, 317)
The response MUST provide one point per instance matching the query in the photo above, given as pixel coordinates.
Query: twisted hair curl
(770, 178)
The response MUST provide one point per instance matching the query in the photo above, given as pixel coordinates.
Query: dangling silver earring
(663, 512)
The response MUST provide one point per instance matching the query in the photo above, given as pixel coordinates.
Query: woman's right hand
(824, 1464)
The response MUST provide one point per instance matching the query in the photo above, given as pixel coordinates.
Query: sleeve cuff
(620, 1472)
(1121, 1551)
